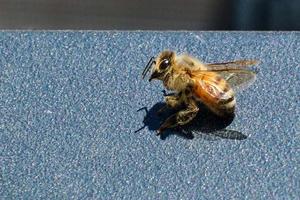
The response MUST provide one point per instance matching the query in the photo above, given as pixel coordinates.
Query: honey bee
(192, 81)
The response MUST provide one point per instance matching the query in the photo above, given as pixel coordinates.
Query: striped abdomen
(212, 90)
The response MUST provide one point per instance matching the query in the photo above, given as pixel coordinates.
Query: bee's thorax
(176, 81)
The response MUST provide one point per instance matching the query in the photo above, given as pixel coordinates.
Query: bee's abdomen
(226, 105)
(218, 96)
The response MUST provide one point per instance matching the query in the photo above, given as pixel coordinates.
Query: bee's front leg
(180, 118)
(172, 101)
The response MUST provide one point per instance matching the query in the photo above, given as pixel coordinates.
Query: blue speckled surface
(69, 101)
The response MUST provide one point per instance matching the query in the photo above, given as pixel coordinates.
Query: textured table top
(69, 123)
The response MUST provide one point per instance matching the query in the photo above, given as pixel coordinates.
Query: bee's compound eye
(164, 64)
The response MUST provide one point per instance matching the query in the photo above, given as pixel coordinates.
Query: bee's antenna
(148, 66)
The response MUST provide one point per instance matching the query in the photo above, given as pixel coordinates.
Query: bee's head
(160, 66)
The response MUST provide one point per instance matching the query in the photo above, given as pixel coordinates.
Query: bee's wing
(235, 72)
(238, 79)
(238, 64)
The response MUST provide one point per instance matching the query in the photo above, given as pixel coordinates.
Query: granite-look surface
(69, 125)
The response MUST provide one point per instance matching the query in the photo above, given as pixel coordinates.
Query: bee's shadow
(206, 125)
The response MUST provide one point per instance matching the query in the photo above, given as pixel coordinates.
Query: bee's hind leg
(180, 118)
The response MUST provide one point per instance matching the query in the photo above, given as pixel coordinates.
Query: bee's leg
(172, 101)
(168, 94)
(180, 118)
